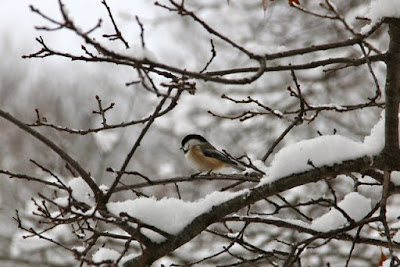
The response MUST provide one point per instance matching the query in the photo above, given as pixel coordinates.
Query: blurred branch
(248, 114)
(307, 11)
(371, 70)
(141, 32)
(30, 178)
(107, 55)
(32, 262)
(181, 10)
(106, 126)
(102, 111)
(354, 62)
(323, 47)
(73, 163)
(340, 18)
(117, 35)
(149, 65)
(213, 55)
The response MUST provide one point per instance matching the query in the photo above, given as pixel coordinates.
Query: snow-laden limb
(169, 214)
(182, 221)
(218, 212)
(324, 151)
(79, 249)
(380, 9)
(345, 232)
(354, 205)
(285, 173)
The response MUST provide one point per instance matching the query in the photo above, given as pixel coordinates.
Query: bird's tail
(238, 167)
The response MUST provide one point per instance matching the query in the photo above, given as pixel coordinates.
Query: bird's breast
(202, 163)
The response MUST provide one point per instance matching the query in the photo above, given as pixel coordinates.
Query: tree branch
(253, 195)
(73, 163)
(392, 93)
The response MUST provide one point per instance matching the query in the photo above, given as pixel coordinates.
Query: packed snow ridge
(323, 150)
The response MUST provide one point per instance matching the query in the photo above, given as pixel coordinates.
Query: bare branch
(139, 139)
(85, 176)
(117, 34)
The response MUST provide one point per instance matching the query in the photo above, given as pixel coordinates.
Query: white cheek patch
(190, 144)
(186, 148)
(193, 142)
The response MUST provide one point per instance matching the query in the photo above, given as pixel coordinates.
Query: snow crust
(62, 201)
(169, 214)
(79, 249)
(323, 150)
(383, 8)
(379, 9)
(354, 204)
(81, 191)
(103, 254)
(395, 178)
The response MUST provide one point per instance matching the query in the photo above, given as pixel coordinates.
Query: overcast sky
(18, 21)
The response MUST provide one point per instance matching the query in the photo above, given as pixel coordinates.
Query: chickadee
(204, 157)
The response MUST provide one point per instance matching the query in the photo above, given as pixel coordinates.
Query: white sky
(18, 21)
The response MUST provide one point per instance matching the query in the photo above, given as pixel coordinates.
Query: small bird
(204, 157)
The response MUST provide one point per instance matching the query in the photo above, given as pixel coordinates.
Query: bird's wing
(213, 153)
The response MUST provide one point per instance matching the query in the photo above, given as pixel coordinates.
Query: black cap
(193, 136)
